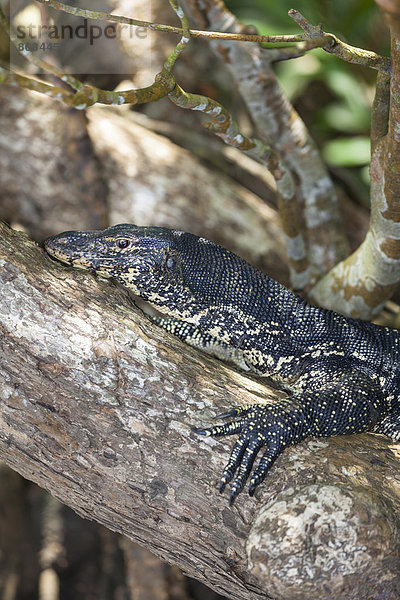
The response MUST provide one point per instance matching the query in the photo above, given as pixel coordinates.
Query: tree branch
(313, 227)
(380, 110)
(103, 16)
(100, 416)
(392, 183)
(351, 54)
(361, 284)
(311, 40)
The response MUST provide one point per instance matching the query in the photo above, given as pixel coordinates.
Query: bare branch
(362, 284)
(328, 41)
(351, 54)
(297, 50)
(103, 16)
(88, 95)
(392, 180)
(13, 79)
(312, 224)
(185, 39)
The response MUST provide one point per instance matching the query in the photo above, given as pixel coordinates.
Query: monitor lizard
(341, 375)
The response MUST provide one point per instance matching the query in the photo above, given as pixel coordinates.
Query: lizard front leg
(349, 403)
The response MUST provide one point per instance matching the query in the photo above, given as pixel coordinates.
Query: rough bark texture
(96, 407)
(47, 161)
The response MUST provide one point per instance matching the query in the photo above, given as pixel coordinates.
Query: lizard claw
(259, 425)
(225, 415)
(234, 492)
(217, 430)
(223, 483)
(200, 431)
(235, 412)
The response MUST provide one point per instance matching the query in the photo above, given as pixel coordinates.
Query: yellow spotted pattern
(341, 375)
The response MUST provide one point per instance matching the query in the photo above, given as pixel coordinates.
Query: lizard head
(173, 270)
(135, 256)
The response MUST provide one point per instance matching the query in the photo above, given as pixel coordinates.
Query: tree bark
(47, 161)
(96, 407)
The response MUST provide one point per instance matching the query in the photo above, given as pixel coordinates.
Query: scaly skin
(342, 375)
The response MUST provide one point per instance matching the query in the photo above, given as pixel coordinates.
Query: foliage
(333, 97)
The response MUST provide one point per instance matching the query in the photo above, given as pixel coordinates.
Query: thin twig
(332, 44)
(88, 95)
(350, 54)
(185, 39)
(221, 122)
(14, 79)
(103, 16)
(288, 52)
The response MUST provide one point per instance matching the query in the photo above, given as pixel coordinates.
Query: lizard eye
(170, 263)
(123, 244)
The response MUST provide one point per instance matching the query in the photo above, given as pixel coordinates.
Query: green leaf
(347, 151)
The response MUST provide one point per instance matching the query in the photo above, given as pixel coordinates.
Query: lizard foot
(274, 425)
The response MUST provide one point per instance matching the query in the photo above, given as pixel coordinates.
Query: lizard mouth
(57, 255)
(57, 249)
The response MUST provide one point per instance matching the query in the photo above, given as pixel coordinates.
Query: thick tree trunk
(96, 407)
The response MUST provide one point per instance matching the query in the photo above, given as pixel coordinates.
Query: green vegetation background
(333, 97)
